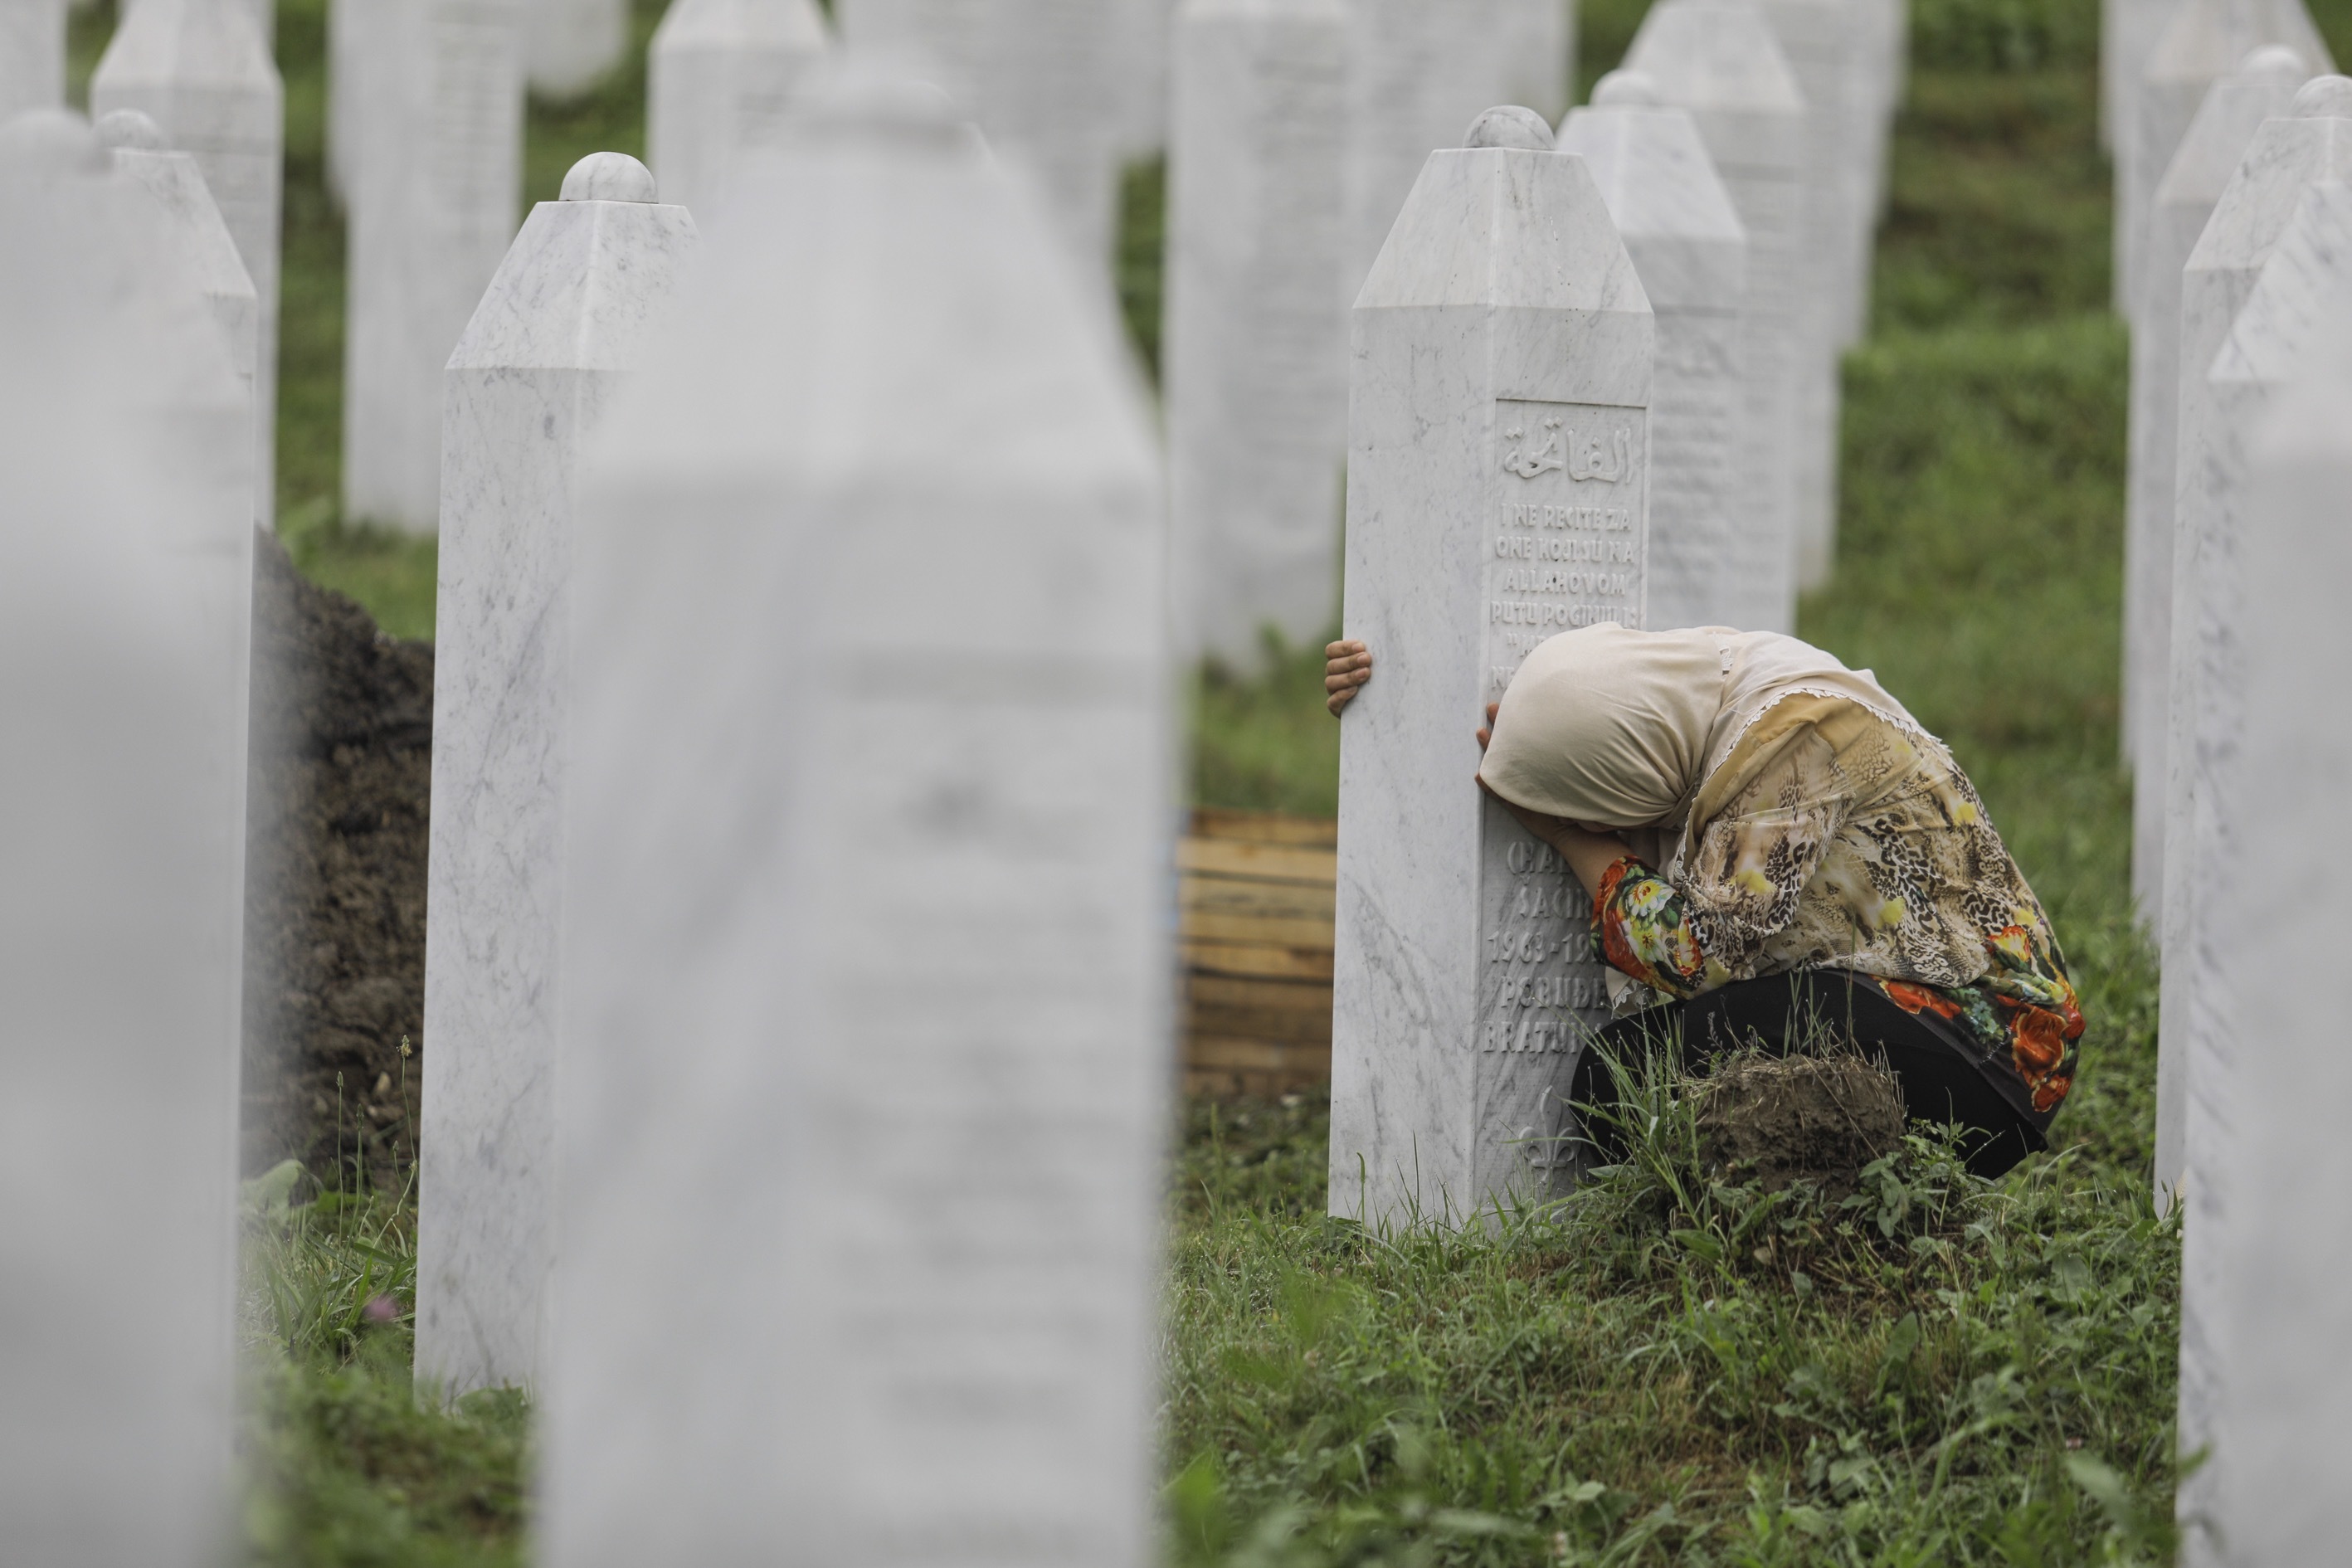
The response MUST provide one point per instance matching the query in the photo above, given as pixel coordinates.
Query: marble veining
(867, 901)
(1498, 459)
(1256, 339)
(571, 310)
(722, 76)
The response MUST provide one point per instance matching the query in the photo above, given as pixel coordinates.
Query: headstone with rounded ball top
(1498, 468)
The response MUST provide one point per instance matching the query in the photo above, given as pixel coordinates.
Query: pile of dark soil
(341, 772)
(1774, 1120)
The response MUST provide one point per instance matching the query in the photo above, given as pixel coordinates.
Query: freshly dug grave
(1774, 1120)
(341, 769)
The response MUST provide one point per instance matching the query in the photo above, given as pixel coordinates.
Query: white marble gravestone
(1825, 50)
(431, 212)
(124, 587)
(2304, 291)
(347, 80)
(1707, 553)
(563, 321)
(208, 251)
(2311, 142)
(723, 76)
(2127, 33)
(868, 900)
(1498, 444)
(201, 71)
(1418, 72)
(1257, 340)
(2204, 40)
(569, 46)
(32, 55)
(1044, 79)
(1145, 77)
(2261, 87)
(1718, 60)
(2287, 1251)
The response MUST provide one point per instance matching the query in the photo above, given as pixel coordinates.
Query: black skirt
(1936, 1066)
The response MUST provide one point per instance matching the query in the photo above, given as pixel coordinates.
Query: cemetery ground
(1935, 1371)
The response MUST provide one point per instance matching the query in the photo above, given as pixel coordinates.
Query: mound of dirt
(341, 775)
(1775, 1120)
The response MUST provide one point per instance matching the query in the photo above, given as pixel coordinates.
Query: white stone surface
(2127, 33)
(431, 213)
(563, 321)
(1147, 76)
(1255, 350)
(208, 251)
(2287, 1255)
(1418, 72)
(1719, 59)
(1706, 550)
(201, 71)
(2260, 89)
(346, 81)
(32, 55)
(2204, 40)
(2313, 142)
(1498, 454)
(722, 76)
(125, 575)
(570, 46)
(2303, 290)
(1043, 79)
(868, 902)
(1826, 49)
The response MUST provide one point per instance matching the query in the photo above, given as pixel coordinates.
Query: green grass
(1670, 1368)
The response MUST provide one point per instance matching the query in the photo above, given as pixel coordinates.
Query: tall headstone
(2313, 142)
(347, 81)
(207, 249)
(2304, 291)
(563, 321)
(2287, 1251)
(1826, 51)
(1417, 73)
(2204, 40)
(569, 46)
(866, 1036)
(1257, 342)
(201, 71)
(1147, 76)
(724, 74)
(1044, 79)
(2127, 33)
(125, 571)
(1718, 60)
(432, 210)
(1710, 563)
(2258, 89)
(1498, 444)
(32, 55)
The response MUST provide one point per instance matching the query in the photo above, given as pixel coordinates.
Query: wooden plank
(1276, 996)
(1255, 928)
(1265, 828)
(1275, 901)
(1258, 960)
(1220, 1052)
(1269, 862)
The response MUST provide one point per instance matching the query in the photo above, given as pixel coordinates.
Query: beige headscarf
(1620, 729)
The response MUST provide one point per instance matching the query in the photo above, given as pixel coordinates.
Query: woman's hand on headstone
(1347, 666)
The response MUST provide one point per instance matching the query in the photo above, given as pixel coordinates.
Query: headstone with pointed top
(1711, 562)
(1043, 79)
(866, 1030)
(125, 575)
(724, 75)
(1718, 60)
(2203, 41)
(560, 327)
(2260, 89)
(201, 71)
(432, 213)
(1498, 447)
(32, 55)
(1256, 344)
(2198, 1103)
(2285, 1260)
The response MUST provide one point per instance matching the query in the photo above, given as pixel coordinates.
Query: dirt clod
(342, 771)
(1774, 1120)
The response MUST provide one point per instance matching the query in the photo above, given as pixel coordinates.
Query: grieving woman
(1774, 850)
